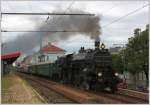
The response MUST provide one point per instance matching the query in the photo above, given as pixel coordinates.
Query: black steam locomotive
(89, 69)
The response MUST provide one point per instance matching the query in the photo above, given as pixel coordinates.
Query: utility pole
(40, 42)
(40, 56)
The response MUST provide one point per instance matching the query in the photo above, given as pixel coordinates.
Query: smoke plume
(85, 25)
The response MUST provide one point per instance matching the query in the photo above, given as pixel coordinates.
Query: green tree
(134, 58)
(117, 62)
(137, 53)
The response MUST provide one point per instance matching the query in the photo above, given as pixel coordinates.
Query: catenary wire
(125, 15)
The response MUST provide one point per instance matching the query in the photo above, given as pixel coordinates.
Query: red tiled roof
(52, 48)
(9, 56)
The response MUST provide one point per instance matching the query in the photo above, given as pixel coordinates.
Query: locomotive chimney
(97, 43)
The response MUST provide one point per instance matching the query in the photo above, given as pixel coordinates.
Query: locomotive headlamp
(102, 46)
(85, 69)
(116, 74)
(99, 74)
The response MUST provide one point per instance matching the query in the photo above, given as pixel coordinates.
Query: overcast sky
(115, 33)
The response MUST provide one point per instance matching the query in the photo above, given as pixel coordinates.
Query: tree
(137, 52)
(134, 58)
(117, 62)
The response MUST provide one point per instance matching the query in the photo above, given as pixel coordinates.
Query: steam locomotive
(89, 69)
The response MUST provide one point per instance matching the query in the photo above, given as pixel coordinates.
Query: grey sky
(118, 32)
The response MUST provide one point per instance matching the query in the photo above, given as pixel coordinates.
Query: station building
(7, 61)
(47, 54)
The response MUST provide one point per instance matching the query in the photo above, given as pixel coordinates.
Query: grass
(7, 82)
(17, 90)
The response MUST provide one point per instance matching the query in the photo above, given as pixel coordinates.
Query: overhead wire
(114, 6)
(10, 6)
(114, 21)
(73, 1)
(25, 13)
(64, 10)
(138, 9)
(41, 31)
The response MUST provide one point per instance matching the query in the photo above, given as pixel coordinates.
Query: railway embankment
(16, 90)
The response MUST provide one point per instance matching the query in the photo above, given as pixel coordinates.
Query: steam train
(89, 69)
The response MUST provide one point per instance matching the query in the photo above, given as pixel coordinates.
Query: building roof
(52, 48)
(10, 55)
(115, 50)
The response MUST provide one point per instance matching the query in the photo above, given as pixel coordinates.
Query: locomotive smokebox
(97, 43)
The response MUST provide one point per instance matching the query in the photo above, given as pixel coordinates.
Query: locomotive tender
(89, 69)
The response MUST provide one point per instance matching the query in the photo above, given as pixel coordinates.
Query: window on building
(41, 58)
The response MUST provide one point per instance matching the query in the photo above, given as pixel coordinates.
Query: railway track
(69, 94)
(49, 95)
(126, 99)
(136, 94)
